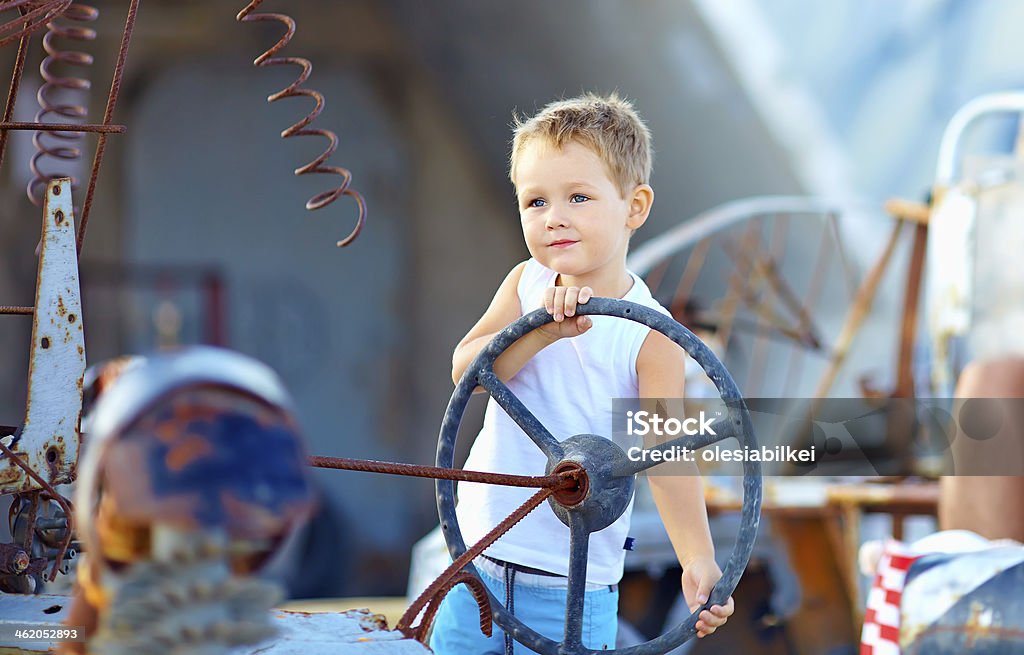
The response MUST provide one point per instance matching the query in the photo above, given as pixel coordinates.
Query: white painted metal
(948, 165)
(56, 356)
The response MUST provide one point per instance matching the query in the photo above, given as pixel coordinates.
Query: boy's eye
(578, 197)
(536, 202)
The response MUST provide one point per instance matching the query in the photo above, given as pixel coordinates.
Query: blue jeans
(457, 624)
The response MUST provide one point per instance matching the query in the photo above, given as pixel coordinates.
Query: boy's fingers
(559, 303)
(722, 611)
(549, 300)
(704, 587)
(586, 293)
(583, 324)
(571, 295)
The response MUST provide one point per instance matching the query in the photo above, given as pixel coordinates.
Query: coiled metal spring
(302, 128)
(61, 145)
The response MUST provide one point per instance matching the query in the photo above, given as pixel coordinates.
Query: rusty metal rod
(453, 571)
(62, 127)
(12, 92)
(13, 309)
(420, 471)
(35, 14)
(108, 114)
(476, 587)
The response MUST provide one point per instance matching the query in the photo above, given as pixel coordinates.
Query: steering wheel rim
(738, 425)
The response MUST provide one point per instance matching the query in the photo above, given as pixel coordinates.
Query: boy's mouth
(562, 243)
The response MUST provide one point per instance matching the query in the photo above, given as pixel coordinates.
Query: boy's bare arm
(679, 495)
(504, 309)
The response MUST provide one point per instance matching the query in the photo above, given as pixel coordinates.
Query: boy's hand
(561, 303)
(699, 576)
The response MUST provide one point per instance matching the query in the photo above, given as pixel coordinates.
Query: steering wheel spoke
(579, 547)
(523, 417)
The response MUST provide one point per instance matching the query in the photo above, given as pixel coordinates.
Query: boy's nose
(556, 219)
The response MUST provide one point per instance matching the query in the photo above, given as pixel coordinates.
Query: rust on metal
(302, 127)
(52, 493)
(13, 309)
(574, 494)
(63, 127)
(447, 579)
(422, 631)
(34, 15)
(437, 472)
(13, 559)
(108, 115)
(12, 91)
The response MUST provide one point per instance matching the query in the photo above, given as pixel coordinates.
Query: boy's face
(575, 220)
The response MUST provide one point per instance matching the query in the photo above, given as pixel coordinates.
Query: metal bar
(946, 169)
(437, 472)
(12, 92)
(579, 545)
(62, 127)
(523, 417)
(13, 309)
(101, 146)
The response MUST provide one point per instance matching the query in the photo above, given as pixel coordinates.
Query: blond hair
(608, 125)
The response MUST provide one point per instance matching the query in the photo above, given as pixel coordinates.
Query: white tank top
(569, 387)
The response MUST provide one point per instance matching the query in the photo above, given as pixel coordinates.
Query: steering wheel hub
(601, 493)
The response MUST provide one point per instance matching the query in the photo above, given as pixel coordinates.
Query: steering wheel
(609, 476)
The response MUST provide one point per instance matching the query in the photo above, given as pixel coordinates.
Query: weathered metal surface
(964, 602)
(49, 439)
(608, 494)
(299, 633)
(13, 559)
(194, 476)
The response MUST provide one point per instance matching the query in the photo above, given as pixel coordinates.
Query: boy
(581, 169)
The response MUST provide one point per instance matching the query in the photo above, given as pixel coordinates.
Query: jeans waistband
(520, 568)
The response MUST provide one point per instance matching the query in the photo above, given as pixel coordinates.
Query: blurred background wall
(199, 234)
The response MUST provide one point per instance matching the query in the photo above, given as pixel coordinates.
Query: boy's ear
(640, 204)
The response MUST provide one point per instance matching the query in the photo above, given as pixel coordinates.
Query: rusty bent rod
(566, 480)
(555, 482)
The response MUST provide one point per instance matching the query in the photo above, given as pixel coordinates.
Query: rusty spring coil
(302, 128)
(61, 145)
(34, 15)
